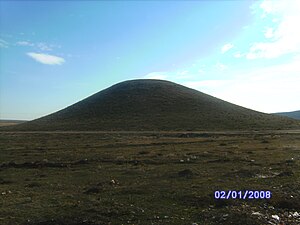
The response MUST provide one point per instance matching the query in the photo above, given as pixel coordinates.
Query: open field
(10, 122)
(147, 178)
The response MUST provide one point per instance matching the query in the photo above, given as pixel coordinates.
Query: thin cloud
(207, 84)
(44, 47)
(156, 75)
(25, 43)
(3, 44)
(269, 33)
(40, 45)
(46, 59)
(184, 72)
(237, 55)
(226, 48)
(220, 66)
(181, 75)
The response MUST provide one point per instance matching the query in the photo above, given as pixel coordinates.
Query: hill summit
(155, 105)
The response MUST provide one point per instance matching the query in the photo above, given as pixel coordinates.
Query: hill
(294, 114)
(154, 105)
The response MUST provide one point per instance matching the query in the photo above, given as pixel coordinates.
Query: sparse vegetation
(145, 178)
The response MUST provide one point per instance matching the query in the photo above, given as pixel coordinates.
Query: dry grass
(140, 178)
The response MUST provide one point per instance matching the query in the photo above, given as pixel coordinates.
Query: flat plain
(10, 122)
(148, 177)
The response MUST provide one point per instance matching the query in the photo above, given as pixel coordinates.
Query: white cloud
(201, 71)
(274, 7)
(184, 72)
(269, 89)
(220, 66)
(46, 59)
(3, 44)
(25, 43)
(237, 55)
(269, 33)
(156, 75)
(264, 50)
(267, 7)
(285, 35)
(226, 48)
(206, 84)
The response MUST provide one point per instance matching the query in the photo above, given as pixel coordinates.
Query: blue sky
(53, 54)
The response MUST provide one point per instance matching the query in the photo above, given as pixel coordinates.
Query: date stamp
(246, 194)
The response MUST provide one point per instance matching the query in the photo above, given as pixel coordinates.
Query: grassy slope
(156, 105)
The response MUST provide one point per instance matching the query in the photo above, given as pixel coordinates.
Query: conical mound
(155, 105)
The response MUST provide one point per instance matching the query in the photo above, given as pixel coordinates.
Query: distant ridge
(294, 114)
(155, 105)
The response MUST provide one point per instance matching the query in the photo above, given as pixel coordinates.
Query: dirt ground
(148, 178)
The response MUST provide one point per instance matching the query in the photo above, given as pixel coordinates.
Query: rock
(113, 182)
(257, 214)
(275, 217)
(296, 215)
